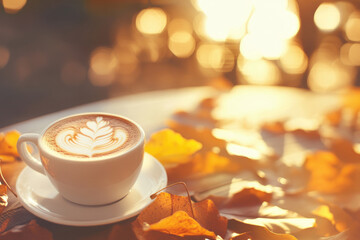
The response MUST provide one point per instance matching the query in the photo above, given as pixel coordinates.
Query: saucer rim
(81, 223)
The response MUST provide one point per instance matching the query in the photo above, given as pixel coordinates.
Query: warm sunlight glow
(294, 60)
(238, 150)
(182, 44)
(224, 19)
(151, 21)
(352, 29)
(327, 17)
(4, 56)
(13, 6)
(216, 57)
(260, 72)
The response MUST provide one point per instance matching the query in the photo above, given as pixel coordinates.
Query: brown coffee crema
(87, 136)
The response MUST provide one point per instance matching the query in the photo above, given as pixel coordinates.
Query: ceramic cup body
(89, 181)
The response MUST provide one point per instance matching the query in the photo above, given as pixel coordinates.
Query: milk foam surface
(91, 136)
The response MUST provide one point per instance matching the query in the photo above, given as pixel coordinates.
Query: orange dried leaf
(181, 224)
(170, 147)
(203, 164)
(29, 231)
(3, 197)
(243, 198)
(201, 134)
(329, 175)
(8, 143)
(7, 158)
(256, 232)
(167, 204)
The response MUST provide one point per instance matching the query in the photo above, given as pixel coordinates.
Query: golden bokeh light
(103, 64)
(13, 6)
(328, 76)
(327, 17)
(127, 61)
(223, 19)
(259, 72)
(254, 47)
(181, 44)
(151, 21)
(352, 29)
(217, 57)
(350, 54)
(179, 25)
(4, 56)
(294, 60)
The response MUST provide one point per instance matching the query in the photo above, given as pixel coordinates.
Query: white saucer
(39, 197)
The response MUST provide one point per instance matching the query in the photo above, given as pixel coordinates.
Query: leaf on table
(344, 150)
(298, 127)
(167, 204)
(202, 164)
(252, 206)
(3, 197)
(180, 224)
(352, 233)
(29, 231)
(329, 175)
(337, 216)
(8, 150)
(255, 232)
(201, 134)
(170, 147)
(243, 198)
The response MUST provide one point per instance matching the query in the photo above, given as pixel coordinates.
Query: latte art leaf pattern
(98, 137)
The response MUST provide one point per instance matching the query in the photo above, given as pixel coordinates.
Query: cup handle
(24, 153)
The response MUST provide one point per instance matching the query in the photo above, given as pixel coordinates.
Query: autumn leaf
(165, 205)
(3, 197)
(170, 147)
(202, 164)
(180, 224)
(29, 231)
(201, 134)
(294, 127)
(329, 175)
(8, 150)
(255, 232)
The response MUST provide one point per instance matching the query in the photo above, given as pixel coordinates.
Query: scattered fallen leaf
(255, 232)
(329, 175)
(8, 150)
(3, 197)
(29, 231)
(165, 205)
(170, 147)
(199, 133)
(281, 127)
(180, 224)
(202, 164)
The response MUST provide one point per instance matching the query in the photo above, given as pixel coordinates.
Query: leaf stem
(154, 195)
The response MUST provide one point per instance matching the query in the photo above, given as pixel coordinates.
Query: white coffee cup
(83, 176)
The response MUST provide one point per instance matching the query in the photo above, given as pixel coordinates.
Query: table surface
(152, 109)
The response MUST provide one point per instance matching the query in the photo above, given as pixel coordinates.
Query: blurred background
(59, 54)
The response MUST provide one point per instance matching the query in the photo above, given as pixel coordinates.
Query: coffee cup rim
(53, 154)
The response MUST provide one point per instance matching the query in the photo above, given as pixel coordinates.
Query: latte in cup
(91, 136)
(90, 158)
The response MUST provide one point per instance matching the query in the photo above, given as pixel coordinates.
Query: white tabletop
(149, 109)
